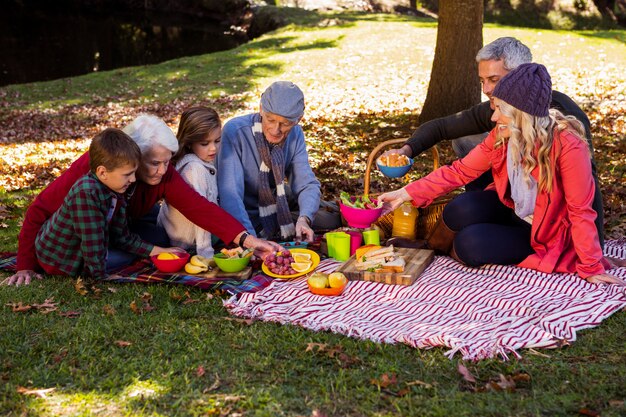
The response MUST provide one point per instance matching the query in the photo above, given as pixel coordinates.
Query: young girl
(199, 135)
(538, 214)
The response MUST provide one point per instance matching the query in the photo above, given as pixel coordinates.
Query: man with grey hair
(263, 173)
(469, 127)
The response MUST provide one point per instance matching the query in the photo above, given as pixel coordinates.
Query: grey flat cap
(285, 99)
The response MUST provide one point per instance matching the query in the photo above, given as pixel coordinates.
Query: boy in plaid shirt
(74, 241)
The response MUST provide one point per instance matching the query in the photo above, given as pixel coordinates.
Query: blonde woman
(538, 212)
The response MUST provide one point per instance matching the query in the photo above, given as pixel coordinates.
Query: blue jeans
(148, 230)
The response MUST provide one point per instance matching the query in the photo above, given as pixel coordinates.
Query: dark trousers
(487, 230)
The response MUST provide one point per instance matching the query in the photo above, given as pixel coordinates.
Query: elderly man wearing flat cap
(264, 177)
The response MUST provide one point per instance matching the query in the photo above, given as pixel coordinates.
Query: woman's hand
(262, 248)
(174, 249)
(394, 199)
(23, 277)
(606, 279)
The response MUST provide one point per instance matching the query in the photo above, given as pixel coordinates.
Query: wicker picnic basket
(427, 216)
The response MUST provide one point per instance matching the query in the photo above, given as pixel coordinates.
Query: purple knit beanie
(527, 88)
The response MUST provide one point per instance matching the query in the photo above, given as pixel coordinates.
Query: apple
(337, 279)
(318, 280)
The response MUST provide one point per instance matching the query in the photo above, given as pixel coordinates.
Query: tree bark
(454, 82)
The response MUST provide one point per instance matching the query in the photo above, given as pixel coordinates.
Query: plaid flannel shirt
(76, 238)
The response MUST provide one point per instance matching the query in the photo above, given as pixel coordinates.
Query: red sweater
(563, 234)
(172, 188)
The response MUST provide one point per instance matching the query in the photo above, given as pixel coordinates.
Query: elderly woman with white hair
(156, 180)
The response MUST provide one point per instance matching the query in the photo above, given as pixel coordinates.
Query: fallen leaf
(134, 308)
(109, 310)
(505, 383)
(588, 412)
(58, 358)
(536, 353)
(47, 306)
(384, 381)
(215, 385)
(41, 392)
(122, 343)
(422, 383)
(466, 373)
(19, 307)
(80, 287)
(311, 346)
(69, 314)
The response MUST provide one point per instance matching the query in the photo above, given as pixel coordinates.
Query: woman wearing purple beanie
(537, 213)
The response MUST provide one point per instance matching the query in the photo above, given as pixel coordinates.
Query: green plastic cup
(342, 246)
(371, 237)
(330, 243)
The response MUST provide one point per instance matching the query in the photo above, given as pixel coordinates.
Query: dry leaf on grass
(37, 392)
(69, 314)
(467, 375)
(122, 343)
(109, 310)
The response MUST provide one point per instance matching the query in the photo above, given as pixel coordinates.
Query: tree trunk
(454, 82)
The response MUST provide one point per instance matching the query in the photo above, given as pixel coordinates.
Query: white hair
(148, 131)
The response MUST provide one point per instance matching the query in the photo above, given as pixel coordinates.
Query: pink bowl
(359, 218)
(171, 265)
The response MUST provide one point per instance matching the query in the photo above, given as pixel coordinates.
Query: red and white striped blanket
(479, 312)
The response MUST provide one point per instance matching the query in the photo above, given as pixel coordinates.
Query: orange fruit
(301, 257)
(300, 266)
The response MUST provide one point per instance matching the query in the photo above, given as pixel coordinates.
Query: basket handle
(372, 157)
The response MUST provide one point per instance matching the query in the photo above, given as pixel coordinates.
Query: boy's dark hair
(112, 149)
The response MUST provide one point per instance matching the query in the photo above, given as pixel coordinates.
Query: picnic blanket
(479, 312)
(142, 271)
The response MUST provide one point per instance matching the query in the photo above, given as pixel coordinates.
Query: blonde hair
(528, 132)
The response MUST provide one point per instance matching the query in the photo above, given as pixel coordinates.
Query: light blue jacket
(238, 165)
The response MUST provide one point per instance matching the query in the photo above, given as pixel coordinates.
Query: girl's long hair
(530, 132)
(195, 124)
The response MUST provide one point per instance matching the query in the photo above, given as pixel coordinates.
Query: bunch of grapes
(280, 263)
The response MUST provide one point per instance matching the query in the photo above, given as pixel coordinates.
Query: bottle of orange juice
(405, 221)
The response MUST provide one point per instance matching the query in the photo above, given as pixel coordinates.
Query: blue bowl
(394, 172)
(293, 245)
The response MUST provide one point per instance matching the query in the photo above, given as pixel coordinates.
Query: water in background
(43, 47)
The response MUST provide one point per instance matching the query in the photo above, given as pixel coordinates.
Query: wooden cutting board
(416, 261)
(218, 273)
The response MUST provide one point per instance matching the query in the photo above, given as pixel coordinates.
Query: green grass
(365, 78)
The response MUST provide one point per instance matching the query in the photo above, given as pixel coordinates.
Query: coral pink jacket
(563, 234)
